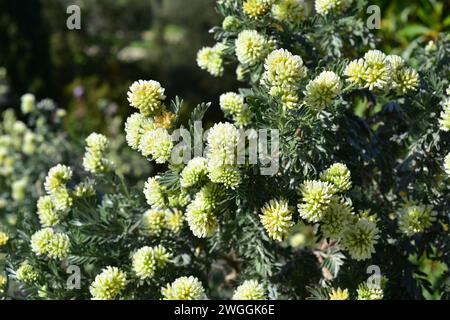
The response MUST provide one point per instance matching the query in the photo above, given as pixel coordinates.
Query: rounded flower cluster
(325, 7)
(339, 175)
(369, 293)
(447, 164)
(321, 91)
(4, 238)
(210, 59)
(317, 197)
(154, 221)
(336, 218)
(136, 126)
(377, 71)
(444, 121)
(339, 294)
(227, 175)
(223, 140)
(3, 281)
(201, 220)
(233, 104)
(359, 239)
(108, 284)
(405, 80)
(252, 47)
(147, 96)
(93, 160)
(230, 23)
(27, 274)
(174, 220)
(200, 214)
(147, 259)
(256, 8)
(47, 213)
(57, 177)
(55, 185)
(282, 75)
(184, 288)
(376, 74)
(154, 193)
(53, 245)
(28, 103)
(194, 172)
(158, 144)
(415, 219)
(18, 189)
(250, 290)
(276, 218)
(288, 10)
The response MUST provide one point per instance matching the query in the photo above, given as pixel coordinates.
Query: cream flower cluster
(94, 160)
(18, 189)
(369, 293)
(339, 294)
(154, 193)
(325, 7)
(222, 143)
(156, 220)
(147, 96)
(109, 284)
(250, 290)
(210, 59)
(200, 214)
(415, 218)
(257, 8)
(27, 274)
(321, 91)
(50, 243)
(48, 215)
(233, 104)
(55, 185)
(135, 127)
(3, 282)
(194, 173)
(283, 73)
(339, 175)
(252, 47)
(147, 131)
(158, 144)
(444, 120)
(174, 220)
(276, 218)
(447, 164)
(289, 10)
(184, 288)
(359, 239)
(27, 103)
(322, 203)
(377, 71)
(147, 260)
(4, 238)
(317, 197)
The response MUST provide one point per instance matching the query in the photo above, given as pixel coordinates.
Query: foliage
(361, 184)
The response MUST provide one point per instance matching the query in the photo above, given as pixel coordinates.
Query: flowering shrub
(359, 181)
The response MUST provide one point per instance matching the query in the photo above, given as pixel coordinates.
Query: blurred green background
(88, 71)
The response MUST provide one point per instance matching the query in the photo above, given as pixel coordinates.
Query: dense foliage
(356, 206)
